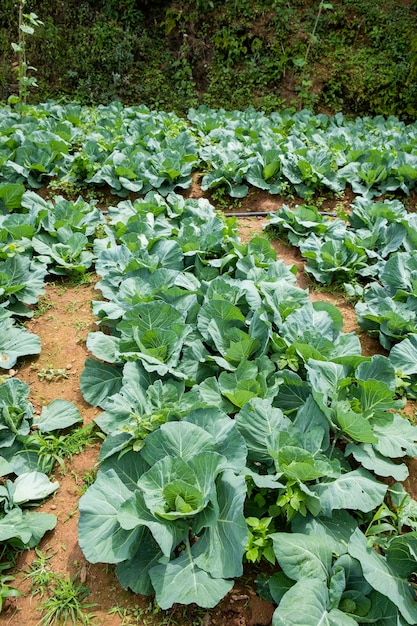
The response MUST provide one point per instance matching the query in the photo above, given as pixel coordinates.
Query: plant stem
(21, 53)
(314, 31)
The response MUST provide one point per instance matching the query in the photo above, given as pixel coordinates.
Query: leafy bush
(353, 56)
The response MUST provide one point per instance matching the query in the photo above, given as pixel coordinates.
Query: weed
(223, 201)
(89, 478)
(68, 517)
(81, 333)
(66, 604)
(133, 615)
(273, 234)
(81, 278)
(86, 480)
(66, 187)
(286, 190)
(337, 288)
(72, 307)
(80, 438)
(61, 287)
(319, 201)
(94, 196)
(39, 574)
(50, 373)
(342, 211)
(43, 305)
(52, 448)
(146, 616)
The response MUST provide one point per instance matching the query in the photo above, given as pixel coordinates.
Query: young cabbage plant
(171, 515)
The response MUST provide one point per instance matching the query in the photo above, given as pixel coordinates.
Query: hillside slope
(355, 56)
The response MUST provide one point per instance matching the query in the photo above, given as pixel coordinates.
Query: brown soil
(63, 326)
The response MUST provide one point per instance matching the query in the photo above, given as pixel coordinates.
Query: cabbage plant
(171, 515)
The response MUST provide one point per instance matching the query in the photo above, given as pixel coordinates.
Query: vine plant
(27, 24)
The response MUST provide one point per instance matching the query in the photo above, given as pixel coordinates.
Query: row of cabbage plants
(229, 396)
(372, 256)
(134, 149)
(32, 236)
(231, 403)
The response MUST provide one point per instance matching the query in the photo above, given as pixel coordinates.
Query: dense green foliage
(351, 55)
(134, 149)
(239, 421)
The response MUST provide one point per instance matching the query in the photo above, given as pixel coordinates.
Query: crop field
(207, 418)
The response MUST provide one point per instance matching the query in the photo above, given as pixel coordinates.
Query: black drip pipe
(249, 214)
(265, 213)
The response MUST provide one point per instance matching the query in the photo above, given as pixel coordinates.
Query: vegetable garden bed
(239, 417)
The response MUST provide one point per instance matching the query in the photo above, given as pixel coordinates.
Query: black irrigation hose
(249, 214)
(264, 213)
